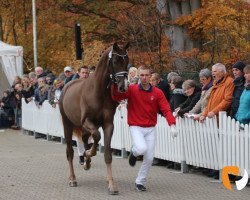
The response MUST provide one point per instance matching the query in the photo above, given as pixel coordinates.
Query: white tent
(11, 64)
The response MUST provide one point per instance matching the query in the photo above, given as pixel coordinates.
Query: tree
(223, 27)
(164, 34)
(136, 21)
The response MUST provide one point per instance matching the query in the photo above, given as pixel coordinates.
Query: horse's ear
(126, 46)
(115, 47)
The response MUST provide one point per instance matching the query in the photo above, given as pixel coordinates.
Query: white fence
(198, 144)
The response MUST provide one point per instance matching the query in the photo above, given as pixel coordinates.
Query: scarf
(208, 86)
(247, 85)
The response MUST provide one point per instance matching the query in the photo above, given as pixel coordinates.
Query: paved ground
(36, 169)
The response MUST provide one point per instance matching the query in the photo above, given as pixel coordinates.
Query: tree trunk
(25, 18)
(1, 28)
(14, 31)
(195, 4)
(180, 40)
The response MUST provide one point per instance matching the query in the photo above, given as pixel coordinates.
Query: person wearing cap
(239, 82)
(69, 74)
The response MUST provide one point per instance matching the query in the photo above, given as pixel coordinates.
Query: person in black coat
(178, 96)
(6, 111)
(193, 92)
(5, 101)
(156, 81)
(239, 82)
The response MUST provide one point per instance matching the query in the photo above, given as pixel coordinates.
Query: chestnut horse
(86, 105)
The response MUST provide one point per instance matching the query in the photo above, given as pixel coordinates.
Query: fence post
(221, 129)
(101, 148)
(124, 153)
(48, 137)
(62, 140)
(123, 150)
(35, 134)
(184, 166)
(23, 131)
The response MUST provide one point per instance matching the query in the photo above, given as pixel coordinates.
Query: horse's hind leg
(108, 132)
(68, 131)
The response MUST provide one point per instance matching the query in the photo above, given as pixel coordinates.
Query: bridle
(114, 76)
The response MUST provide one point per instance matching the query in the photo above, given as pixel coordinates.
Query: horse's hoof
(113, 192)
(72, 183)
(86, 166)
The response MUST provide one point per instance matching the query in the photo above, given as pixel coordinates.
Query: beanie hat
(239, 65)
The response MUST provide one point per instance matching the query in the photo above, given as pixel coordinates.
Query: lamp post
(34, 32)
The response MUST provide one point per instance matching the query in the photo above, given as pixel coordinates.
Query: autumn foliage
(221, 26)
(224, 29)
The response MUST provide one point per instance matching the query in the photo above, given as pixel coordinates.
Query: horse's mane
(103, 58)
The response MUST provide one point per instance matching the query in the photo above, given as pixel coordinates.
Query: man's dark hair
(82, 67)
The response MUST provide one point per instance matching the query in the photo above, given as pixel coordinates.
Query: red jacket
(143, 106)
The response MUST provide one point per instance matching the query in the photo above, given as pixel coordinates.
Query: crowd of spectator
(39, 85)
(217, 91)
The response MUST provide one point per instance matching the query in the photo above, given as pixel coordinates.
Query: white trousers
(143, 143)
(80, 147)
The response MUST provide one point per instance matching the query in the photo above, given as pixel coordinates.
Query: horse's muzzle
(121, 89)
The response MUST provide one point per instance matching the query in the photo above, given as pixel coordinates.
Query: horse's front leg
(92, 129)
(87, 160)
(68, 131)
(108, 132)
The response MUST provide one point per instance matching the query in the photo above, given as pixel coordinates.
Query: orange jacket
(220, 97)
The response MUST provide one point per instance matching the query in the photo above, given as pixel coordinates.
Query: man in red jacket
(144, 102)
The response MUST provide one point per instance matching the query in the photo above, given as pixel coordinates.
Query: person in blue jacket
(243, 113)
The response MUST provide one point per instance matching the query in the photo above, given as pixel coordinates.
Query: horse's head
(118, 62)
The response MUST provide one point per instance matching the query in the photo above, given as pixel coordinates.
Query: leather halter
(114, 76)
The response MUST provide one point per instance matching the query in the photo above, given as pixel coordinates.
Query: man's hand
(196, 117)
(29, 99)
(211, 114)
(202, 118)
(177, 110)
(173, 131)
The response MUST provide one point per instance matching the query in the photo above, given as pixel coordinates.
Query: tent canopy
(11, 64)
(9, 50)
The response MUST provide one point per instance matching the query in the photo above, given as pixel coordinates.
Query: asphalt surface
(36, 169)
